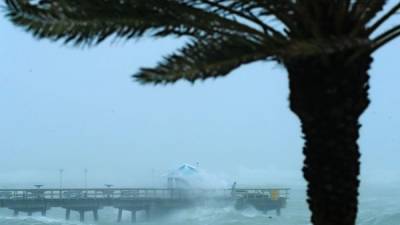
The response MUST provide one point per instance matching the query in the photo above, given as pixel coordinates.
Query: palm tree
(325, 45)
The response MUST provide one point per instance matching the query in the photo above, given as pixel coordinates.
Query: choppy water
(376, 208)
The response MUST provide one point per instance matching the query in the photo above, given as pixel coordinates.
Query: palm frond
(226, 33)
(91, 21)
(384, 18)
(284, 11)
(363, 12)
(202, 59)
(386, 37)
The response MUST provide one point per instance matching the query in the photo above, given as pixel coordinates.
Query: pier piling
(148, 216)
(96, 215)
(82, 215)
(133, 216)
(119, 215)
(67, 214)
(278, 211)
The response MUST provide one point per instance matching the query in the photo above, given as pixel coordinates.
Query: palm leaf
(363, 12)
(386, 37)
(384, 18)
(203, 59)
(91, 21)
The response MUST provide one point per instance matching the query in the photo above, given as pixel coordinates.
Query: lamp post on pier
(86, 191)
(61, 171)
(86, 172)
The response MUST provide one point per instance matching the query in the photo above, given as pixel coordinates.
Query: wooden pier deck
(153, 201)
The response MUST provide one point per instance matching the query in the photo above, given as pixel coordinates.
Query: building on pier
(186, 176)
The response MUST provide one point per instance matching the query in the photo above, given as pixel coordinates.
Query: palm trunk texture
(329, 97)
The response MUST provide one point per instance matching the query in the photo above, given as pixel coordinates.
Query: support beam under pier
(82, 211)
(67, 214)
(133, 216)
(148, 215)
(119, 215)
(81, 215)
(29, 210)
(278, 211)
(96, 215)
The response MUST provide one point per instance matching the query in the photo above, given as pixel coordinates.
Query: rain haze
(79, 108)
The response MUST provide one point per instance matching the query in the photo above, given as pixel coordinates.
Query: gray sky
(69, 108)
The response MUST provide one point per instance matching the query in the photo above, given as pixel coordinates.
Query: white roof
(184, 171)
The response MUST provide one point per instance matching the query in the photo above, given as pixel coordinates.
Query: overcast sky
(69, 108)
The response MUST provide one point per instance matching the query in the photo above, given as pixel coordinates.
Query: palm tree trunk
(329, 97)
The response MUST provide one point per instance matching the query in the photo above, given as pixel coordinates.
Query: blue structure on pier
(186, 176)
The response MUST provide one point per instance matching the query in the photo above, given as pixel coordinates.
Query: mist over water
(378, 206)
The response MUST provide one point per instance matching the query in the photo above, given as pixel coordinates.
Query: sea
(378, 206)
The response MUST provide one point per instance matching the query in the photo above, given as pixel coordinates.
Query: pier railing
(135, 193)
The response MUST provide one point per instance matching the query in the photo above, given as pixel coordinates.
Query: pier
(152, 202)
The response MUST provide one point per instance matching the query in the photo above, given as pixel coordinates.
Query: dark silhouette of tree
(326, 46)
